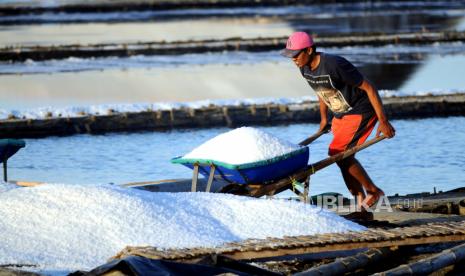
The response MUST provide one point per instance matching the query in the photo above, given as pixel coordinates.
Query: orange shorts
(350, 130)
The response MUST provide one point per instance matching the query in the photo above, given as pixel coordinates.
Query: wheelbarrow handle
(315, 136)
(285, 183)
(338, 157)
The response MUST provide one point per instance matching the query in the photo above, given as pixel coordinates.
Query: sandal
(373, 200)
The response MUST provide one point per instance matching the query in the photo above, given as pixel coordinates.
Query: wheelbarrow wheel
(235, 189)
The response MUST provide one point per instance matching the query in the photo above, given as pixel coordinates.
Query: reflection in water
(276, 78)
(388, 23)
(95, 33)
(214, 28)
(388, 76)
(461, 25)
(187, 83)
(263, 77)
(438, 73)
(435, 73)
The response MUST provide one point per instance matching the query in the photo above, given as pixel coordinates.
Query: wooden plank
(145, 183)
(26, 183)
(166, 185)
(249, 254)
(259, 252)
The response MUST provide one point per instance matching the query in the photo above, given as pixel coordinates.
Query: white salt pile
(70, 227)
(242, 145)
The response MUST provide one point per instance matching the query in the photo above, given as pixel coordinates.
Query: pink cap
(296, 43)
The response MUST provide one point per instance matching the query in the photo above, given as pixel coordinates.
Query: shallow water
(227, 75)
(130, 27)
(424, 154)
(213, 76)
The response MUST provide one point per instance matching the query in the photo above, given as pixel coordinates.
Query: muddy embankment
(144, 5)
(219, 116)
(37, 53)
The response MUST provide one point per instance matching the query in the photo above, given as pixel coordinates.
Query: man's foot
(371, 199)
(359, 216)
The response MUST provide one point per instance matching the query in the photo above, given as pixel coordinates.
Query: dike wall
(38, 53)
(220, 116)
(103, 6)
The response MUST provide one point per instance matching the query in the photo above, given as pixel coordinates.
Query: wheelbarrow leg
(195, 177)
(5, 170)
(306, 190)
(210, 178)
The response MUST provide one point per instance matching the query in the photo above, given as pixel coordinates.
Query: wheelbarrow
(241, 182)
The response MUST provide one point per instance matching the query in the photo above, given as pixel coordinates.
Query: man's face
(302, 58)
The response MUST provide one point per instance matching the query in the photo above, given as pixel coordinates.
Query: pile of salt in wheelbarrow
(288, 169)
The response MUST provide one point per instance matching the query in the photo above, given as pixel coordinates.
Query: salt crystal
(242, 145)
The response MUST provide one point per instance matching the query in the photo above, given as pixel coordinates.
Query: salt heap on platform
(70, 227)
(5, 186)
(242, 145)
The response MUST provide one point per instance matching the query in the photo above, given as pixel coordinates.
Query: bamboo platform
(37, 53)
(255, 249)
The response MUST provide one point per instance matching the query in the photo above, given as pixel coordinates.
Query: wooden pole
(5, 170)
(429, 265)
(307, 190)
(315, 136)
(284, 183)
(349, 264)
(195, 177)
(210, 178)
(338, 157)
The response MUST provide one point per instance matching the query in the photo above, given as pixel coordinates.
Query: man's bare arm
(323, 114)
(384, 126)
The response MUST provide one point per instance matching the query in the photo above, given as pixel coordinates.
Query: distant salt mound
(242, 145)
(70, 227)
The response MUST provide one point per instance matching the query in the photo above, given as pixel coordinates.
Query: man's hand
(386, 128)
(323, 115)
(323, 126)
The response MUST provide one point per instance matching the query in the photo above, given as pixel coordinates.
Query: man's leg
(356, 178)
(354, 186)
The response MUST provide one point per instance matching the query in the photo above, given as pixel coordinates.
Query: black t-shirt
(336, 82)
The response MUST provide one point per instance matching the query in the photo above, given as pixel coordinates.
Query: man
(356, 105)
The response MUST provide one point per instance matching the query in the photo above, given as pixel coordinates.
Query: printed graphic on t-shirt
(328, 93)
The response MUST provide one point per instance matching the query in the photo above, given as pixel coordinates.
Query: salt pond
(244, 22)
(250, 76)
(424, 154)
